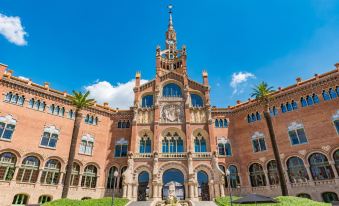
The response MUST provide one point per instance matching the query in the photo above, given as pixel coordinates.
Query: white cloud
(23, 78)
(120, 95)
(238, 81)
(12, 29)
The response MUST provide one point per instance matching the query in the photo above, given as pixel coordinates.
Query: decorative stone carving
(336, 116)
(282, 155)
(257, 135)
(8, 119)
(262, 159)
(198, 116)
(145, 116)
(302, 152)
(171, 113)
(326, 148)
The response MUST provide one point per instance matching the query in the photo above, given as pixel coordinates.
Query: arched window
(297, 134)
(7, 166)
(121, 148)
(221, 123)
(62, 112)
(257, 115)
(8, 97)
(202, 185)
(86, 146)
(332, 93)
(36, 105)
(336, 160)
(51, 109)
(329, 197)
(21, 100)
(234, 177)
(145, 144)
(257, 175)
(303, 102)
(89, 177)
(75, 176)
(294, 105)
(20, 199)
(70, 114)
(258, 142)
(326, 96)
(95, 121)
(42, 106)
(128, 124)
(200, 143)
(172, 143)
(51, 173)
(111, 179)
(309, 100)
(253, 117)
(304, 195)
(171, 90)
(122, 170)
(272, 172)
(315, 98)
(196, 100)
(283, 108)
(337, 90)
(274, 111)
(296, 170)
(320, 167)
(224, 147)
(123, 125)
(50, 137)
(56, 110)
(31, 103)
(249, 120)
(44, 198)
(222, 168)
(289, 106)
(225, 123)
(147, 101)
(15, 98)
(29, 170)
(119, 124)
(216, 123)
(7, 126)
(87, 118)
(90, 120)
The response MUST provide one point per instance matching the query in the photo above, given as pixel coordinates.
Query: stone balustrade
(202, 155)
(173, 155)
(142, 155)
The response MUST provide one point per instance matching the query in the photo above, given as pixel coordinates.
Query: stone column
(129, 191)
(39, 176)
(155, 190)
(15, 174)
(211, 189)
(309, 172)
(159, 190)
(124, 191)
(222, 190)
(135, 191)
(332, 163)
(196, 195)
(216, 190)
(267, 179)
(191, 190)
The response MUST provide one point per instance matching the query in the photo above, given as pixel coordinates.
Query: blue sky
(100, 45)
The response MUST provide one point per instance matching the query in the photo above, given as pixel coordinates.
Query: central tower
(170, 58)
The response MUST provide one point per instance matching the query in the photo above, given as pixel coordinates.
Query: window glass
(171, 90)
(196, 100)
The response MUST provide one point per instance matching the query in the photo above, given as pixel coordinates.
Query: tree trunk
(282, 180)
(72, 148)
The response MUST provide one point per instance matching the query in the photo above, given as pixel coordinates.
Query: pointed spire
(170, 22)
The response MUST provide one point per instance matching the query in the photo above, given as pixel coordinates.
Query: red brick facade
(175, 116)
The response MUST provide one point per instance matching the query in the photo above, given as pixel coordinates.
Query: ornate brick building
(170, 134)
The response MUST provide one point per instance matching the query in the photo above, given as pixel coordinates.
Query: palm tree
(79, 101)
(262, 93)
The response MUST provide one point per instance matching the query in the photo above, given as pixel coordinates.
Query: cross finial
(170, 23)
(170, 8)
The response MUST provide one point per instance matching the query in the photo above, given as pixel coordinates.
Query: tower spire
(170, 21)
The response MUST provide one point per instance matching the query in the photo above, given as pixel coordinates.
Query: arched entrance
(143, 189)
(176, 177)
(203, 189)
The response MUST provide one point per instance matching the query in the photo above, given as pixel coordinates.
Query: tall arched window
(110, 178)
(272, 172)
(224, 148)
(7, 166)
(51, 173)
(332, 93)
(326, 96)
(75, 176)
(283, 108)
(294, 105)
(222, 168)
(44, 198)
(336, 160)
(196, 100)
(234, 177)
(29, 170)
(147, 101)
(216, 123)
(320, 167)
(200, 143)
(87, 143)
(7, 126)
(50, 137)
(202, 178)
(315, 98)
(8, 97)
(296, 170)
(303, 102)
(258, 142)
(145, 144)
(171, 90)
(309, 100)
(20, 199)
(15, 98)
(257, 175)
(289, 107)
(89, 177)
(172, 143)
(121, 148)
(297, 134)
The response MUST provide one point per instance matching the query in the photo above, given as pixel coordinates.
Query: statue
(172, 198)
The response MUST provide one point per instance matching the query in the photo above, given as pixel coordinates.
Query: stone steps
(204, 203)
(140, 203)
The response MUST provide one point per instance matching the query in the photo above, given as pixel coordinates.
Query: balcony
(142, 155)
(202, 155)
(177, 155)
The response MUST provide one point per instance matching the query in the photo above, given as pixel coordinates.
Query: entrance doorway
(143, 188)
(173, 176)
(203, 188)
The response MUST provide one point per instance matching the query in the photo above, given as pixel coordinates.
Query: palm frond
(80, 100)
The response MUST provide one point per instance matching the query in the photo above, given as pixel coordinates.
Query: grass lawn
(91, 202)
(283, 201)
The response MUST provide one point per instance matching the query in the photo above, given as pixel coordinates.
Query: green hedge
(91, 202)
(283, 201)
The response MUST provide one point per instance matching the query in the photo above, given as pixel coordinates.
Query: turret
(3, 68)
(205, 77)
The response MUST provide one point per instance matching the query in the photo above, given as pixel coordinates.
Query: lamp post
(228, 177)
(115, 175)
